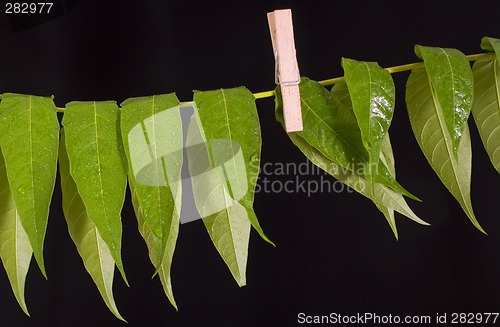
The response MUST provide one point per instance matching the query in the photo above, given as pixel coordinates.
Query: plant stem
(331, 81)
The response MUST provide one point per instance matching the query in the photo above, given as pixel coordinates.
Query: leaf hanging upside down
(451, 80)
(29, 137)
(97, 165)
(373, 97)
(152, 135)
(15, 248)
(429, 127)
(486, 106)
(94, 252)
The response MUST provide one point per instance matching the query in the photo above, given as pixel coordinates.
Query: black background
(335, 252)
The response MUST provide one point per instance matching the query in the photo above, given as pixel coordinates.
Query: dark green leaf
(97, 166)
(332, 129)
(451, 80)
(29, 139)
(378, 193)
(372, 93)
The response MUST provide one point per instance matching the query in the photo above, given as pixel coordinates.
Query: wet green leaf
(486, 105)
(332, 129)
(373, 96)
(433, 136)
(231, 126)
(152, 134)
(154, 244)
(450, 77)
(226, 220)
(95, 253)
(97, 165)
(378, 193)
(15, 248)
(341, 93)
(29, 139)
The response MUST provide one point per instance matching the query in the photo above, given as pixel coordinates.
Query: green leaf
(230, 115)
(451, 79)
(15, 248)
(225, 219)
(429, 126)
(373, 97)
(491, 44)
(341, 93)
(152, 134)
(97, 166)
(95, 254)
(486, 106)
(378, 193)
(332, 130)
(153, 243)
(29, 140)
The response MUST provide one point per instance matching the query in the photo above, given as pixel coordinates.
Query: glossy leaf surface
(97, 165)
(451, 79)
(332, 129)
(381, 194)
(15, 248)
(94, 252)
(341, 93)
(432, 134)
(152, 136)
(373, 97)
(29, 139)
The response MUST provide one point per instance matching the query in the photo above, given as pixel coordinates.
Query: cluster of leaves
(102, 148)
(346, 128)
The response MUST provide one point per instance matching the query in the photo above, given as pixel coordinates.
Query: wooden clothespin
(287, 70)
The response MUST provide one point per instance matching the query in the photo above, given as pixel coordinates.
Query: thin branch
(332, 81)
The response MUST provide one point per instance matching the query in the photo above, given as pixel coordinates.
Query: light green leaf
(95, 254)
(486, 106)
(29, 140)
(226, 220)
(491, 44)
(332, 130)
(15, 248)
(451, 79)
(153, 243)
(429, 126)
(378, 193)
(231, 126)
(152, 135)
(373, 96)
(97, 165)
